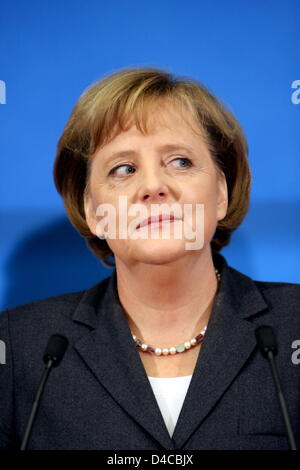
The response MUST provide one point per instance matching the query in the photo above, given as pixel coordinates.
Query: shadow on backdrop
(48, 261)
(53, 259)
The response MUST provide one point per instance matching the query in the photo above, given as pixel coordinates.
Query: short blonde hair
(105, 109)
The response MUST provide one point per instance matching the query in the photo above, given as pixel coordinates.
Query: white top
(170, 393)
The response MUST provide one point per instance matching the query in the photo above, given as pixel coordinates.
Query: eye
(116, 171)
(186, 162)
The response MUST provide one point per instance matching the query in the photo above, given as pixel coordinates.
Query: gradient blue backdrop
(246, 52)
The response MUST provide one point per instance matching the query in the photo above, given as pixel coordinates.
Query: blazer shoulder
(276, 296)
(61, 304)
(281, 293)
(280, 287)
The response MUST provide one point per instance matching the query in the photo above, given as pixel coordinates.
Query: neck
(165, 304)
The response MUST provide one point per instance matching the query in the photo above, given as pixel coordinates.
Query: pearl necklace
(174, 349)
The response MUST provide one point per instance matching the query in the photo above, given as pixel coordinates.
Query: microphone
(266, 341)
(55, 350)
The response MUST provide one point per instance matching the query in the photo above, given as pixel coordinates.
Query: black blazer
(100, 396)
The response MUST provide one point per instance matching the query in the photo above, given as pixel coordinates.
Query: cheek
(203, 193)
(103, 195)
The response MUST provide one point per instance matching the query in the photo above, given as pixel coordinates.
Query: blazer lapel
(111, 355)
(109, 351)
(228, 342)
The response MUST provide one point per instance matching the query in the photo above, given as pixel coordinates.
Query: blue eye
(116, 171)
(185, 160)
(113, 170)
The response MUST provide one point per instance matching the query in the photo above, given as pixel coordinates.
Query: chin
(160, 251)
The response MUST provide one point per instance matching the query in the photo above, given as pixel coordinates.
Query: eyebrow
(132, 153)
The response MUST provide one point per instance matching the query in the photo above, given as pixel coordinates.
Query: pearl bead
(158, 351)
(193, 341)
(165, 351)
(144, 347)
(172, 350)
(134, 337)
(187, 345)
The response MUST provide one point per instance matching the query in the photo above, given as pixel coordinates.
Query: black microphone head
(266, 339)
(55, 350)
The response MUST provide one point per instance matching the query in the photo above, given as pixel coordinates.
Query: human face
(171, 164)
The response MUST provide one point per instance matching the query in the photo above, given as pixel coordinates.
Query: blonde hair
(128, 95)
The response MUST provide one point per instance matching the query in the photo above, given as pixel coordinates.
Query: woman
(162, 353)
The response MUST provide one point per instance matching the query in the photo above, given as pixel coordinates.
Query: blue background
(246, 52)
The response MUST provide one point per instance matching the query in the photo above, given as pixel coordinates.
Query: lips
(157, 219)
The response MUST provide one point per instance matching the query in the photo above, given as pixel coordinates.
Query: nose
(153, 185)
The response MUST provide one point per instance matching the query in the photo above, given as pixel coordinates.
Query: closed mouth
(157, 219)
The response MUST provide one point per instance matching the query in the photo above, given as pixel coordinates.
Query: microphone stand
(36, 403)
(282, 402)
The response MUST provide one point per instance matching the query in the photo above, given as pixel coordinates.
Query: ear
(90, 215)
(222, 197)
